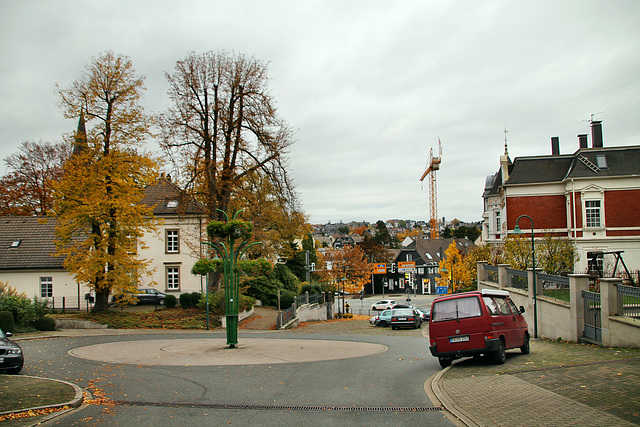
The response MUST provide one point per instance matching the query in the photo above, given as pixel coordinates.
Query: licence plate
(402, 318)
(459, 339)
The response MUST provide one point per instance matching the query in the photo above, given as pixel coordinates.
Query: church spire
(80, 143)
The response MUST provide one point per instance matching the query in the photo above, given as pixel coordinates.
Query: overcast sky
(370, 86)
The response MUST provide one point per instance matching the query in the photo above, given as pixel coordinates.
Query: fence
(554, 286)
(290, 314)
(559, 309)
(629, 301)
(69, 303)
(516, 278)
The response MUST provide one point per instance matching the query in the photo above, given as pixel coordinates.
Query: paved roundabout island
(215, 352)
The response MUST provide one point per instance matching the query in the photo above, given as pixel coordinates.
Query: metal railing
(518, 279)
(554, 286)
(491, 273)
(628, 301)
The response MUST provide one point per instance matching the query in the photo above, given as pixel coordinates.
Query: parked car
(150, 296)
(475, 323)
(384, 318)
(383, 304)
(425, 314)
(402, 305)
(11, 356)
(405, 317)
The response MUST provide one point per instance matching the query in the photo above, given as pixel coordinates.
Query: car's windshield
(403, 312)
(459, 308)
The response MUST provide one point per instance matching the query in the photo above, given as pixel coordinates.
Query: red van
(474, 323)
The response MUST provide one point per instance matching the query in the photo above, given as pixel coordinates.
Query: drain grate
(281, 407)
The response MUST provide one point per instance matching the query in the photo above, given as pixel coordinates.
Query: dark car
(150, 296)
(405, 317)
(11, 357)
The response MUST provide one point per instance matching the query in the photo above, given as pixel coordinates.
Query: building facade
(590, 196)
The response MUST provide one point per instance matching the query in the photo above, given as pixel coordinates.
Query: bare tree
(222, 129)
(27, 187)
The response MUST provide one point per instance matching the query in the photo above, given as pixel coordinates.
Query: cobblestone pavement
(556, 384)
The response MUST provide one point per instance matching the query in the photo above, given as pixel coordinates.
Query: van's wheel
(383, 323)
(525, 349)
(499, 356)
(444, 362)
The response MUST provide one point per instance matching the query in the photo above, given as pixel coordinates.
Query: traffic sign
(442, 290)
(407, 267)
(380, 268)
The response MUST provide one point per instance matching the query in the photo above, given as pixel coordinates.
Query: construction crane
(432, 167)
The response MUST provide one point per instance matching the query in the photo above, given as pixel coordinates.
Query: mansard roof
(618, 162)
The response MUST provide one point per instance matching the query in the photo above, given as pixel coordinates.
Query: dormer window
(16, 243)
(601, 161)
(172, 204)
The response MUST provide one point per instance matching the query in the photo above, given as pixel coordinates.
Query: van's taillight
(432, 342)
(488, 336)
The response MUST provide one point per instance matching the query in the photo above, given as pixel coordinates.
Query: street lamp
(444, 271)
(533, 262)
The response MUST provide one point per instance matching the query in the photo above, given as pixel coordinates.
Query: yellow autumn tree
(97, 201)
(346, 268)
(457, 275)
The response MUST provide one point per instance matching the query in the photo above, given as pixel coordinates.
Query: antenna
(593, 114)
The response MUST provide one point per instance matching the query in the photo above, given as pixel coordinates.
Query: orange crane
(433, 166)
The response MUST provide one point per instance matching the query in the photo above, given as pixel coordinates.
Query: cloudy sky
(370, 86)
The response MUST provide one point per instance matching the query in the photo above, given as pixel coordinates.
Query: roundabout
(215, 352)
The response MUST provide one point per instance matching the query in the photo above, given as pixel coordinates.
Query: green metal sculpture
(230, 240)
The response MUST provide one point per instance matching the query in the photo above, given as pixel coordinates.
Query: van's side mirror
(521, 309)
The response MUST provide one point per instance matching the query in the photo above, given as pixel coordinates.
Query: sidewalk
(556, 384)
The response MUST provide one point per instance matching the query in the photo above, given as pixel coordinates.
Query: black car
(11, 357)
(405, 317)
(150, 296)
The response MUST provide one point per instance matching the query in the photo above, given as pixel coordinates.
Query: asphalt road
(384, 388)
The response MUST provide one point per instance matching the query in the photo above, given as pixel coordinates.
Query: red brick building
(591, 196)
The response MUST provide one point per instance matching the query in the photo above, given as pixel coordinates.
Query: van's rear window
(459, 308)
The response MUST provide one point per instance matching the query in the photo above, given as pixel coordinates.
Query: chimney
(583, 140)
(596, 134)
(555, 146)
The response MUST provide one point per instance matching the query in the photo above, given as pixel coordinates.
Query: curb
(439, 392)
(73, 403)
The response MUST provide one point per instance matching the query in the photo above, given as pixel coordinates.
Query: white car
(383, 304)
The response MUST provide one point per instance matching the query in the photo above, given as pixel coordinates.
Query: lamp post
(444, 271)
(533, 262)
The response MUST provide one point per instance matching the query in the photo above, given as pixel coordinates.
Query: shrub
(6, 321)
(170, 301)
(45, 323)
(195, 298)
(185, 300)
(286, 299)
(216, 303)
(23, 310)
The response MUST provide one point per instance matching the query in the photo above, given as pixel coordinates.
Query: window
(172, 204)
(601, 161)
(173, 278)
(409, 258)
(173, 241)
(498, 224)
(592, 212)
(428, 255)
(459, 308)
(46, 287)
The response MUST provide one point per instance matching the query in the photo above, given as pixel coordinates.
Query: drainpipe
(575, 226)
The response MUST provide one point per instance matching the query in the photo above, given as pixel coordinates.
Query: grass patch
(168, 318)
